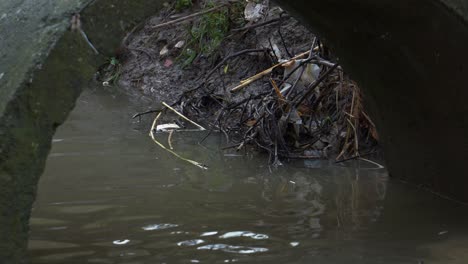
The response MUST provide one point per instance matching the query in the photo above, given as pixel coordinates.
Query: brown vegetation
(267, 83)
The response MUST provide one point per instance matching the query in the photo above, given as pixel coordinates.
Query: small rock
(164, 51)
(313, 125)
(315, 164)
(312, 153)
(254, 12)
(319, 145)
(180, 44)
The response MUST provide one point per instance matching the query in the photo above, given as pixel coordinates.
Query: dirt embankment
(204, 58)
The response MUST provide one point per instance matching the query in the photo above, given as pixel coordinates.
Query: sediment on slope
(250, 72)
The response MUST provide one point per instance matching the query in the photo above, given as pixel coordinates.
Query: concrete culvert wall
(410, 59)
(408, 56)
(44, 66)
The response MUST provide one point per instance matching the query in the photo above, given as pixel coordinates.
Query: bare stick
(355, 157)
(151, 134)
(277, 90)
(379, 166)
(242, 52)
(356, 142)
(146, 113)
(153, 126)
(271, 21)
(312, 87)
(344, 150)
(175, 21)
(256, 77)
(184, 117)
(283, 41)
(89, 42)
(169, 139)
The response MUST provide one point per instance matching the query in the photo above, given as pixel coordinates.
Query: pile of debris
(253, 73)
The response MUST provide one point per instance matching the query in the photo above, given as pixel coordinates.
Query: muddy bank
(199, 58)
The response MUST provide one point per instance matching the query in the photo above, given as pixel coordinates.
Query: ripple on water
(212, 233)
(85, 209)
(131, 253)
(294, 244)
(118, 243)
(121, 242)
(179, 233)
(244, 234)
(35, 221)
(64, 256)
(234, 249)
(159, 227)
(192, 242)
(45, 244)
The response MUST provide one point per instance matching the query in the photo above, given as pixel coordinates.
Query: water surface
(110, 195)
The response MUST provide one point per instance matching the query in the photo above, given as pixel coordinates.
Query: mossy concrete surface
(43, 68)
(411, 59)
(28, 30)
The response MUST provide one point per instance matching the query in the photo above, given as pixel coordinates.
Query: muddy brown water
(109, 195)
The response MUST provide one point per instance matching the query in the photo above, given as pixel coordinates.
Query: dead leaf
(251, 122)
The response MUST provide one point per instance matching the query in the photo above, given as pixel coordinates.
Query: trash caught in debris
(171, 127)
(254, 11)
(167, 127)
(256, 77)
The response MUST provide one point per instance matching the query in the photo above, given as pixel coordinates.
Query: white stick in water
(184, 117)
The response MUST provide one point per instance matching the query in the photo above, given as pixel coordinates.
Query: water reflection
(110, 196)
(159, 227)
(294, 244)
(244, 234)
(192, 242)
(121, 242)
(234, 249)
(212, 233)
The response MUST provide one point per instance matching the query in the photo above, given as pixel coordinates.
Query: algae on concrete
(42, 73)
(28, 30)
